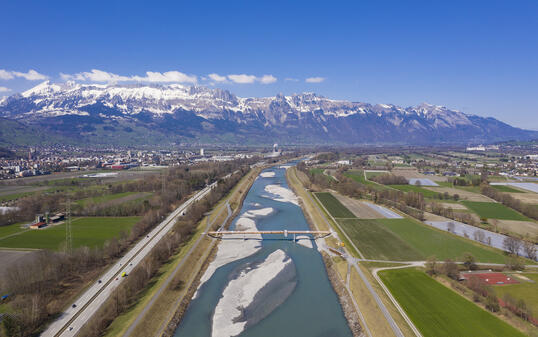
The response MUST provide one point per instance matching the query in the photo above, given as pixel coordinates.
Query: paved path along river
(273, 287)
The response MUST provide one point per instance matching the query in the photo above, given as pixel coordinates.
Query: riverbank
(158, 304)
(282, 289)
(237, 200)
(351, 314)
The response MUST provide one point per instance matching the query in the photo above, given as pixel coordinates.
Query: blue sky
(479, 57)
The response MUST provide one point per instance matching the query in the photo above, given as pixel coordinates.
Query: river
(269, 287)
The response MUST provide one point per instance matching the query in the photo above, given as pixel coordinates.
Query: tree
(431, 265)
(530, 249)
(469, 261)
(492, 303)
(450, 269)
(479, 236)
(514, 263)
(512, 245)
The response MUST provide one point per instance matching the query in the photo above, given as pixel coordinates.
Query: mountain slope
(152, 114)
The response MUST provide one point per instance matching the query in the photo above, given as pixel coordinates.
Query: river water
(243, 297)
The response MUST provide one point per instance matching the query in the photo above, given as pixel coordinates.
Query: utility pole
(68, 236)
(163, 183)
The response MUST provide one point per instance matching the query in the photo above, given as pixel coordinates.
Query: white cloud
(217, 77)
(31, 75)
(315, 79)
(96, 75)
(248, 79)
(167, 77)
(291, 79)
(4, 89)
(242, 78)
(6, 75)
(267, 79)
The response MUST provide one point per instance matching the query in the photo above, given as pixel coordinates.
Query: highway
(74, 318)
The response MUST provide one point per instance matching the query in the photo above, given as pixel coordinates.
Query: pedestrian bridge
(318, 234)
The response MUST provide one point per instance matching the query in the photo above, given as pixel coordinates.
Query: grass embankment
(408, 240)
(163, 309)
(438, 311)
(89, 232)
(493, 210)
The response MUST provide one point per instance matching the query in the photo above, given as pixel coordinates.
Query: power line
(68, 234)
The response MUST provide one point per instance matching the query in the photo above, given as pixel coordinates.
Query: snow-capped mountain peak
(306, 115)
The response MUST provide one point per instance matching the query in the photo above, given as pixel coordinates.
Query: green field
(316, 171)
(333, 206)
(494, 210)
(473, 189)
(528, 291)
(358, 176)
(505, 188)
(370, 174)
(90, 232)
(438, 311)
(14, 196)
(10, 229)
(104, 198)
(407, 240)
(413, 188)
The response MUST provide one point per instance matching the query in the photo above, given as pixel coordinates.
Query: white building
(476, 148)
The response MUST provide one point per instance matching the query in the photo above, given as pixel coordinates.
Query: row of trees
(506, 199)
(514, 245)
(125, 295)
(390, 179)
(39, 284)
(448, 212)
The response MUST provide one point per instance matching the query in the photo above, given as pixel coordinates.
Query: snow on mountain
(307, 116)
(50, 99)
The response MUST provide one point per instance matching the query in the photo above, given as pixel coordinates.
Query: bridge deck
(284, 232)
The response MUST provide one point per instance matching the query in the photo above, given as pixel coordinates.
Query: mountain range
(139, 114)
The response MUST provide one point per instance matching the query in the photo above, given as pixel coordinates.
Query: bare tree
(512, 245)
(431, 265)
(479, 236)
(469, 261)
(450, 269)
(530, 249)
